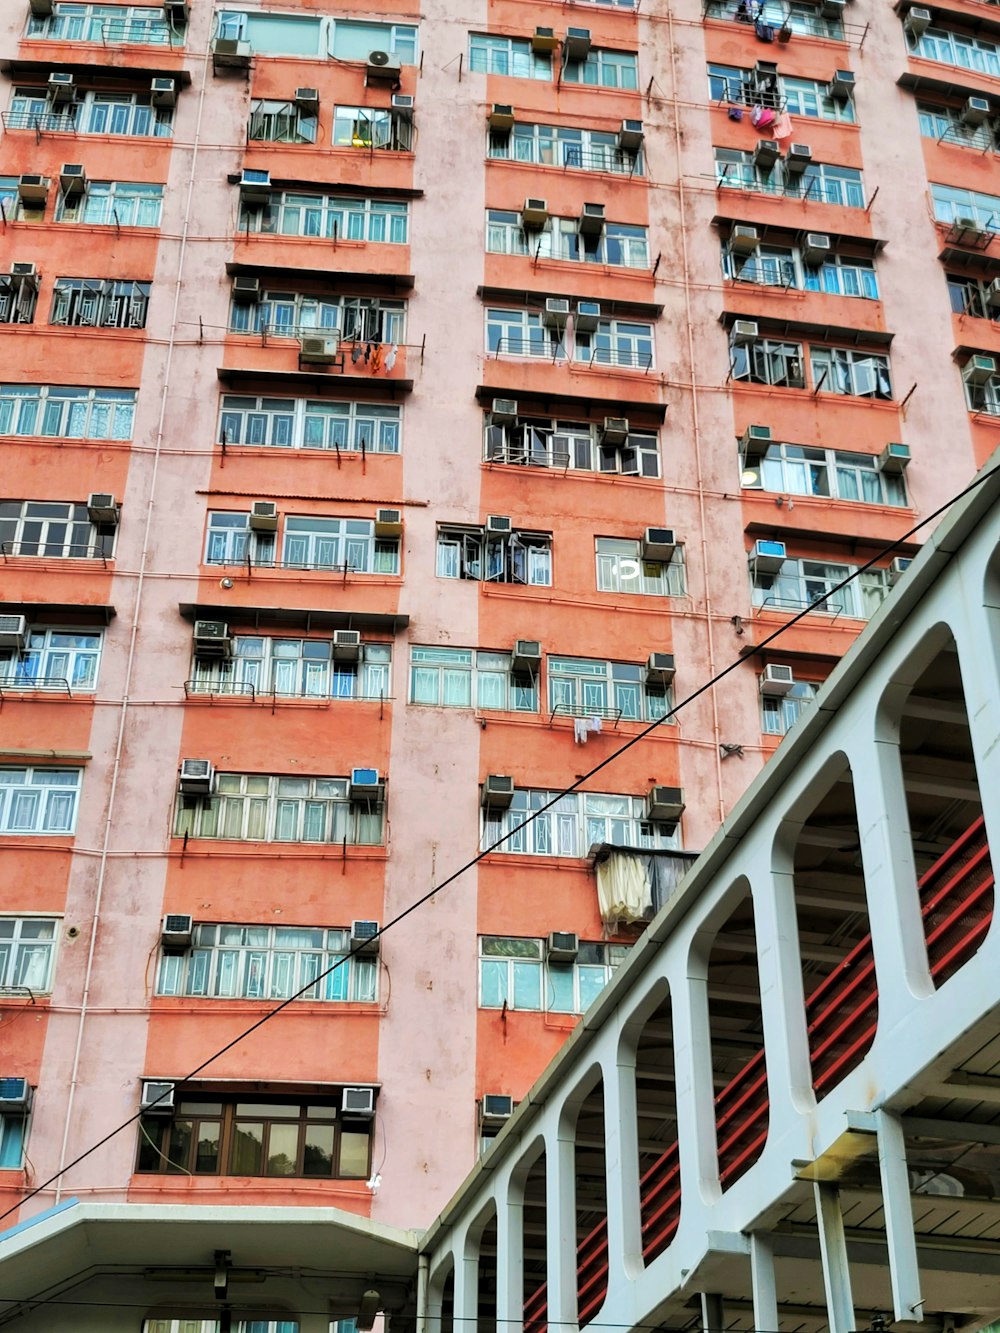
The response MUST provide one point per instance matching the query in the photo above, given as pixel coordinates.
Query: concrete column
(697, 1146)
(765, 1292)
(510, 1257)
(833, 1251)
(560, 1221)
(621, 1149)
(713, 1316)
(904, 1271)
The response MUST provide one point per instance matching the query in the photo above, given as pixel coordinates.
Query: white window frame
(564, 147)
(281, 808)
(521, 333)
(325, 216)
(779, 713)
(620, 244)
(822, 181)
(851, 373)
(27, 960)
(771, 361)
(622, 570)
(100, 303)
(511, 57)
(469, 678)
(270, 665)
(66, 412)
(945, 124)
(291, 314)
(39, 802)
(125, 114)
(573, 824)
(801, 583)
(958, 49)
(951, 202)
(52, 660)
(588, 687)
(304, 423)
(471, 553)
(370, 127)
(788, 469)
(274, 121)
(104, 25)
(984, 397)
(52, 535)
(572, 445)
(530, 974)
(604, 68)
(315, 542)
(113, 204)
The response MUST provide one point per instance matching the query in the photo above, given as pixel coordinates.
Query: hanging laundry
(735, 113)
(356, 354)
(594, 725)
(390, 360)
(368, 352)
(580, 730)
(763, 31)
(377, 358)
(762, 117)
(782, 128)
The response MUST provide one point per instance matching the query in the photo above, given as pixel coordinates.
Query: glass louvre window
(241, 1135)
(517, 557)
(569, 444)
(96, 303)
(573, 824)
(303, 423)
(113, 204)
(507, 55)
(621, 568)
(338, 543)
(250, 807)
(563, 146)
(521, 333)
(625, 344)
(514, 972)
(604, 69)
(27, 950)
(110, 25)
(794, 469)
(328, 216)
(128, 114)
(766, 361)
(39, 800)
(470, 678)
(355, 318)
(52, 659)
(779, 713)
(951, 203)
(856, 374)
(281, 122)
(952, 48)
(372, 127)
(269, 963)
(585, 687)
(294, 668)
(51, 530)
(66, 413)
(801, 584)
(619, 245)
(946, 123)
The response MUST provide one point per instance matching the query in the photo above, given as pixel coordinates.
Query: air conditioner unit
(72, 179)
(765, 71)
(832, 9)
(176, 12)
(13, 631)
(346, 645)
(358, 1102)
(587, 317)
(591, 220)
(382, 65)
(979, 369)
(562, 946)
(499, 525)
(841, 86)
(157, 1097)
(264, 516)
(246, 289)
(503, 411)
(15, 1094)
(630, 136)
(197, 777)
(776, 680)
(755, 442)
(365, 938)
(976, 110)
(894, 458)
(211, 639)
(767, 557)
(526, 657)
(61, 88)
(388, 522)
(917, 21)
(576, 45)
(102, 508)
(660, 668)
(743, 240)
(993, 294)
(176, 932)
(556, 312)
(497, 792)
(40, 9)
(33, 190)
(228, 53)
(501, 117)
(307, 99)
(544, 40)
(898, 568)
(744, 331)
(534, 214)
(614, 431)
(797, 158)
(659, 544)
(495, 1108)
(319, 351)
(255, 186)
(765, 153)
(815, 248)
(665, 805)
(403, 104)
(365, 783)
(163, 92)
(26, 273)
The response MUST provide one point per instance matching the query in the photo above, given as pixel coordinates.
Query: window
(947, 124)
(18, 298)
(289, 314)
(109, 25)
(353, 40)
(794, 469)
(780, 713)
(250, 807)
(573, 824)
(856, 374)
(803, 19)
(621, 568)
(52, 659)
(304, 423)
(13, 1132)
(515, 973)
(38, 800)
(521, 333)
(470, 678)
(52, 530)
(281, 122)
(294, 668)
(952, 203)
(101, 304)
(294, 35)
(372, 127)
(799, 585)
(11, 209)
(507, 55)
(514, 557)
(828, 184)
(970, 296)
(27, 950)
(113, 204)
(783, 266)
(268, 963)
(129, 114)
(338, 543)
(604, 69)
(571, 444)
(766, 361)
(618, 244)
(984, 397)
(562, 146)
(55, 412)
(807, 97)
(329, 216)
(243, 1135)
(623, 343)
(231, 541)
(211, 1325)
(587, 687)
(952, 48)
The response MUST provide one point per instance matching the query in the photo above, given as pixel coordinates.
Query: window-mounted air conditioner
(163, 92)
(841, 86)
(382, 65)
(832, 9)
(358, 1102)
(246, 289)
(61, 87)
(264, 516)
(743, 240)
(255, 187)
(614, 431)
(755, 442)
(176, 12)
(102, 508)
(765, 71)
(993, 294)
(976, 110)
(13, 631)
(526, 657)
(197, 777)
(797, 158)
(979, 369)
(499, 525)
(230, 53)
(403, 105)
(15, 1094)
(72, 179)
(776, 680)
(40, 9)
(365, 783)
(587, 316)
(388, 522)
(744, 331)
(556, 312)
(917, 21)
(534, 214)
(898, 568)
(346, 645)
(503, 411)
(319, 350)
(24, 270)
(765, 153)
(665, 805)
(176, 932)
(497, 792)
(33, 190)
(495, 1108)
(767, 556)
(815, 248)
(562, 946)
(591, 221)
(544, 40)
(157, 1097)
(501, 117)
(211, 639)
(659, 544)
(630, 136)
(365, 938)
(660, 668)
(894, 458)
(576, 45)
(307, 100)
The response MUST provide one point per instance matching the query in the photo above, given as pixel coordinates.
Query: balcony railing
(40, 551)
(229, 689)
(778, 17)
(535, 349)
(780, 273)
(109, 32)
(732, 176)
(20, 682)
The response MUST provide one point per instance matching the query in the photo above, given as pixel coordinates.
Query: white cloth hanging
(580, 730)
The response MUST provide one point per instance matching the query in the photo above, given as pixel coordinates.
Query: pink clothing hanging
(782, 126)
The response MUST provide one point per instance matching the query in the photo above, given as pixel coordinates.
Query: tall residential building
(403, 406)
